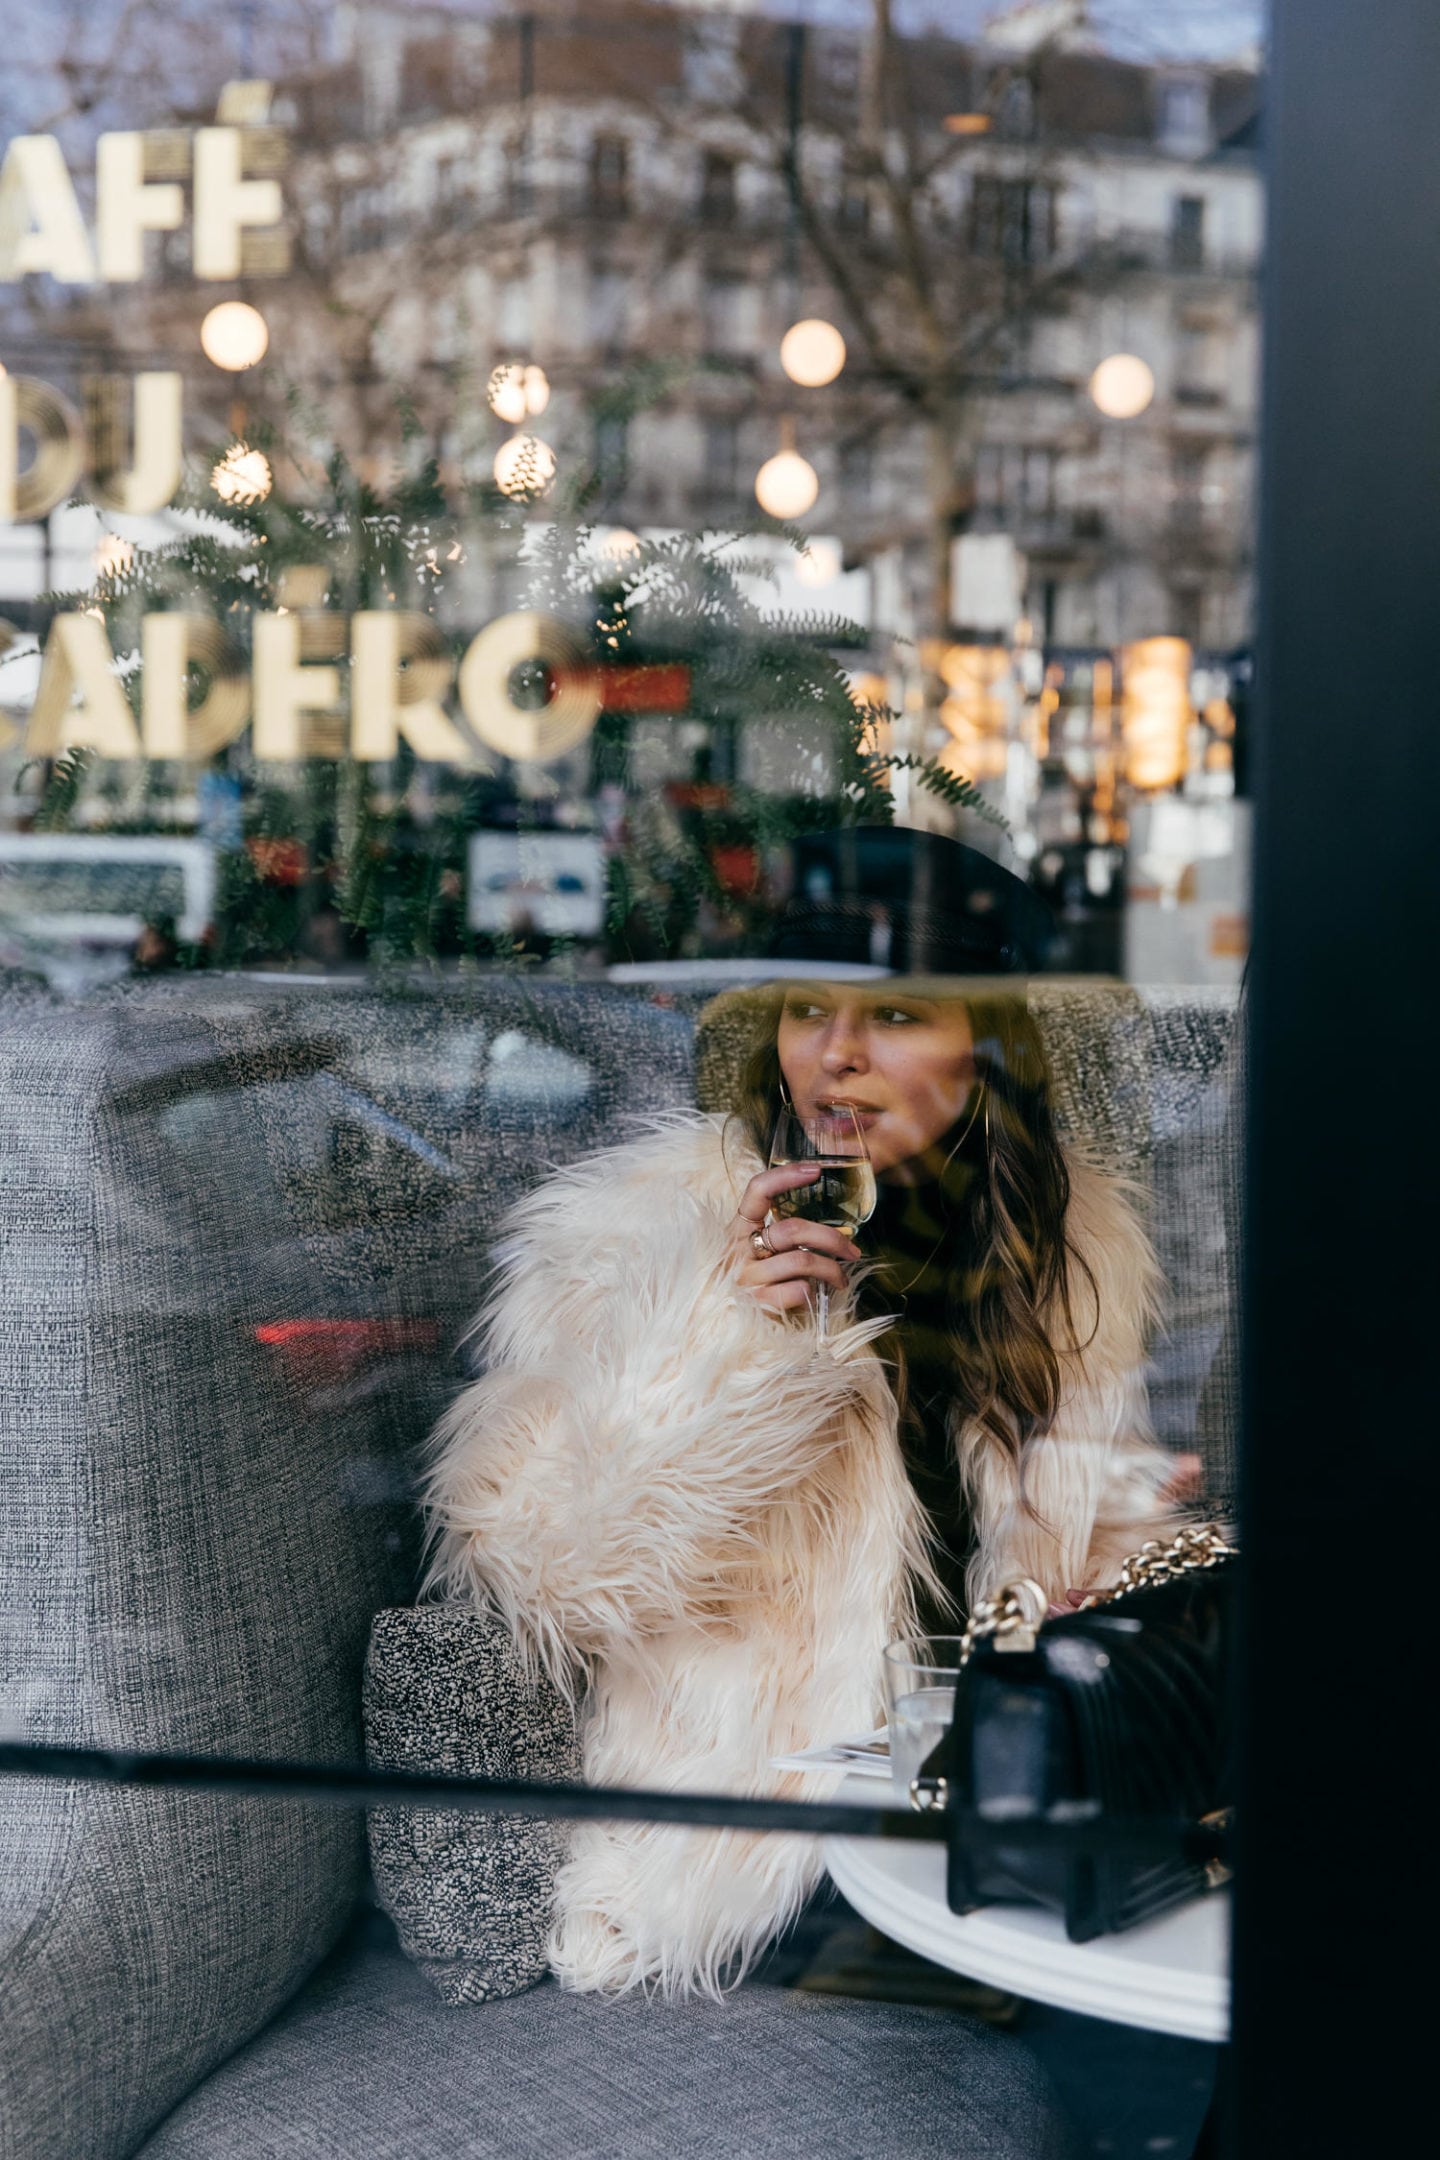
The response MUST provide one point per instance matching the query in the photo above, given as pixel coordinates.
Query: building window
(840, 65)
(364, 220)
(612, 456)
(711, 62)
(1187, 614)
(1197, 361)
(1189, 493)
(512, 314)
(852, 209)
(1184, 117)
(857, 474)
(727, 304)
(609, 175)
(717, 188)
(1017, 110)
(609, 308)
(1015, 482)
(1187, 232)
(722, 457)
(519, 179)
(1012, 221)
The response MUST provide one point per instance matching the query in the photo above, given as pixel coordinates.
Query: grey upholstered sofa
(241, 1228)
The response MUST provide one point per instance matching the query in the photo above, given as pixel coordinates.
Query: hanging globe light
(515, 393)
(505, 394)
(524, 466)
(1122, 386)
(234, 335)
(812, 352)
(619, 543)
(820, 564)
(242, 476)
(113, 555)
(786, 485)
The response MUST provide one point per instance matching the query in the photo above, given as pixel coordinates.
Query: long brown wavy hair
(1004, 1191)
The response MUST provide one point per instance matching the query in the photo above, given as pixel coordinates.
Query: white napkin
(867, 1755)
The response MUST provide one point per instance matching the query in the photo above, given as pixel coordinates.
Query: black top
(908, 1235)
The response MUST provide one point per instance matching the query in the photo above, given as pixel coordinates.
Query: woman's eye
(800, 1010)
(896, 1016)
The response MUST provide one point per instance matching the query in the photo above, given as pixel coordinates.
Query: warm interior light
(786, 485)
(515, 393)
(113, 555)
(242, 476)
(505, 394)
(618, 543)
(524, 466)
(812, 352)
(968, 123)
(1122, 386)
(977, 709)
(1155, 710)
(234, 335)
(820, 564)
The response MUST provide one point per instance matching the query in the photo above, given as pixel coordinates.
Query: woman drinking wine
(704, 1505)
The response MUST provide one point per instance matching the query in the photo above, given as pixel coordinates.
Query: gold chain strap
(1014, 1615)
(1203, 1546)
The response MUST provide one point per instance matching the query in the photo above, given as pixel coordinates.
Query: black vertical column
(1336, 1907)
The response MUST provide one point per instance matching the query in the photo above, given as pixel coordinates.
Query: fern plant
(325, 838)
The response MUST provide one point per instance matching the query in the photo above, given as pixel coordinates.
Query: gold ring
(760, 1242)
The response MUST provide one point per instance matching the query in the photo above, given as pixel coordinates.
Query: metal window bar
(343, 1785)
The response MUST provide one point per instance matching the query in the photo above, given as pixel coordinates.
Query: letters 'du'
(132, 446)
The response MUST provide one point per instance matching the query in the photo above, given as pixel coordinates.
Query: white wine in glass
(843, 1195)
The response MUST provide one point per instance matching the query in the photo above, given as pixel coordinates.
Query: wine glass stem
(822, 1308)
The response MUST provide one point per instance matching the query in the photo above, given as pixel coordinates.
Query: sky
(1134, 29)
(123, 51)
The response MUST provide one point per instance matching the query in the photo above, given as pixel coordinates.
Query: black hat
(915, 903)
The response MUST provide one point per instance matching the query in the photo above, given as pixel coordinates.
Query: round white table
(1170, 1975)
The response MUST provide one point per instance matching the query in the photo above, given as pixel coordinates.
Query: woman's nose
(844, 1047)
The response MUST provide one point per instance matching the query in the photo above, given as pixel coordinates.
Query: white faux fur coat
(697, 1517)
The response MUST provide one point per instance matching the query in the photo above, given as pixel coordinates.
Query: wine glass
(844, 1193)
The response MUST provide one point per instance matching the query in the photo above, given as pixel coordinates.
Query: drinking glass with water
(922, 1673)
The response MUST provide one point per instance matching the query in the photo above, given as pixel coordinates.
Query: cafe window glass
(492, 503)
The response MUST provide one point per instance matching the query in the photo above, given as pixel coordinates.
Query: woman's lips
(839, 1114)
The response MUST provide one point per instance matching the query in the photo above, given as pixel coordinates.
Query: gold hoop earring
(785, 1095)
(980, 1091)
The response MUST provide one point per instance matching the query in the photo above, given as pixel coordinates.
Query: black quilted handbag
(1115, 1710)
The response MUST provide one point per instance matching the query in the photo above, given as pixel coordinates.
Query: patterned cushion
(471, 1895)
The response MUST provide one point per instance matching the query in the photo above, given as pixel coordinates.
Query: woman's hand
(801, 1253)
(1187, 1474)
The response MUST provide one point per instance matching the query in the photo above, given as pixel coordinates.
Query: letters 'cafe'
(709, 725)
